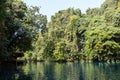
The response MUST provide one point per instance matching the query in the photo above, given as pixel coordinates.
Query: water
(60, 71)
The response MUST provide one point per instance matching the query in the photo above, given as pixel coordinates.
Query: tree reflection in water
(60, 71)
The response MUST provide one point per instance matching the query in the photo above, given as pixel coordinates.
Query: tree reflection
(12, 72)
(60, 71)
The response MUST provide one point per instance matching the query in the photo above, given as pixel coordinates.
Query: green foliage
(60, 50)
(90, 36)
(109, 14)
(101, 44)
(93, 12)
(70, 35)
(19, 27)
(3, 40)
(109, 3)
(116, 19)
(60, 38)
(118, 4)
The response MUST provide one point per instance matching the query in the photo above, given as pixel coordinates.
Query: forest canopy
(70, 35)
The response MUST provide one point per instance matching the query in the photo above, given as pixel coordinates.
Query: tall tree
(19, 27)
(3, 40)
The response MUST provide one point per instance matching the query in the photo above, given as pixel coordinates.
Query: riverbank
(56, 61)
(64, 61)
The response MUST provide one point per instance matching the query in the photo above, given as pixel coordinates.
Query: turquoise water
(60, 71)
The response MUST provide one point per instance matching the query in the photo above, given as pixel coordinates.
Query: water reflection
(60, 71)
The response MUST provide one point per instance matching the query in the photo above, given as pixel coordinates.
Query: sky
(50, 7)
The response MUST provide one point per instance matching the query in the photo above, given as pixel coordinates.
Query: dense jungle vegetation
(70, 35)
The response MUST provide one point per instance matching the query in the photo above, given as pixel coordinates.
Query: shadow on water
(13, 72)
(60, 71)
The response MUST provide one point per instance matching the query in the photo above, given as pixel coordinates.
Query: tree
(101, 43)
(19, 27)
(3, 40)
(51, 43)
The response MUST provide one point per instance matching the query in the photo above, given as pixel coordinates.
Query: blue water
(60, 71)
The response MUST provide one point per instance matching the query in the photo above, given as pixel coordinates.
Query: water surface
(60, 71)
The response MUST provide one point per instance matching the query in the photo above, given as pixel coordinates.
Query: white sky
(50, 7)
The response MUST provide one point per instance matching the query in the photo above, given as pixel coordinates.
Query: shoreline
(58, 61)
(55, 61)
